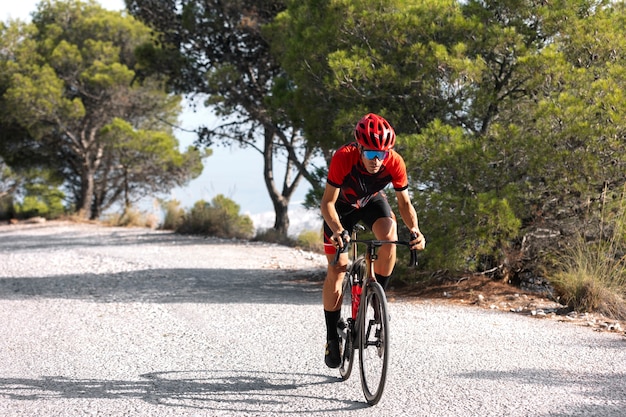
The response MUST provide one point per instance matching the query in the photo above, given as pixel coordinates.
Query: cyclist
(357, 174)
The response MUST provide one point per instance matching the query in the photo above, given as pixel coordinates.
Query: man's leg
(331, 295)
(385, 228)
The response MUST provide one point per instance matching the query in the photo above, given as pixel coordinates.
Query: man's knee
(336, 270)
(385, 228)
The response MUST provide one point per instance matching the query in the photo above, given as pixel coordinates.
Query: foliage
(42, 197)
(132, 217)
(7, 208)
(216, 49)
(272, 236)
(218, 218)
(40, 201)
(476, 215)
(591, 275)
(510, 114)
(9, 183)
(348, 58)
(70, 79)
(145, 162)
(173, 214)
(311, 240)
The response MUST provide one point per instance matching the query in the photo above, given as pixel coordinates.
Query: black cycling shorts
(378, 207)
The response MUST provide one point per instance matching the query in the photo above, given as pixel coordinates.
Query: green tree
(69, 76)
(143, 162)
(41, 196)
(9, 181)
(509, 113)
(216, 49)
(348, 58)
(540, 132)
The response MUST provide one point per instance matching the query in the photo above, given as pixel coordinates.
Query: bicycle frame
(370, 258)
(368, 276)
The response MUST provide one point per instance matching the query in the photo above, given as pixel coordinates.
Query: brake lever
(413, 261)
(345, 239)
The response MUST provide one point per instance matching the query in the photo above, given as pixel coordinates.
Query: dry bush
(592, 274)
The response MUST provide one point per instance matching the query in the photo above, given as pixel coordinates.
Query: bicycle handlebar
(377, 243)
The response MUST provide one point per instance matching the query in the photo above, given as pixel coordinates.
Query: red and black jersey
(358, 186)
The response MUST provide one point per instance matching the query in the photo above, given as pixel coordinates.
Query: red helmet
(374, 132)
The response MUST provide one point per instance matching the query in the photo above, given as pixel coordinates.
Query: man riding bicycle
(357, 174)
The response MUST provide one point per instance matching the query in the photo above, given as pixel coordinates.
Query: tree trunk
(281, 222)
(86, 192)
(90, 207)
(279, 200)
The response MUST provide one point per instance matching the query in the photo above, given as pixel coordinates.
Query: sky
(234, 172)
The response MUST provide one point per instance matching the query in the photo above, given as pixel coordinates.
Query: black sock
(383, 280)
(332, 317)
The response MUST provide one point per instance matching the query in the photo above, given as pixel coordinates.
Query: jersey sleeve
(340, 166)
(397, 169)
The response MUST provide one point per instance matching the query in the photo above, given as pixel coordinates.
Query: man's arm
(409, 216)
(331, 217)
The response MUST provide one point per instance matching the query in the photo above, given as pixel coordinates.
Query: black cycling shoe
(332, 356)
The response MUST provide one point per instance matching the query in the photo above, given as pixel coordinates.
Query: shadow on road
(152, 284)
(225, 391)
(171, 286)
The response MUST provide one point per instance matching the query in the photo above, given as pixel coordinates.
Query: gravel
(132, 322)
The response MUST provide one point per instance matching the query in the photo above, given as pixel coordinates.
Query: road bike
(364, 318)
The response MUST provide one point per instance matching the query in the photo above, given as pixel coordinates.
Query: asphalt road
(129, 322)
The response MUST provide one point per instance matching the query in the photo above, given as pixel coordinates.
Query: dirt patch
(483, 292)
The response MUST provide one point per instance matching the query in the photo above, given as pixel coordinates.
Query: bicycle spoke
(374, 344)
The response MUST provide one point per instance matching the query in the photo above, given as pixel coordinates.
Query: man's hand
(341, 238)
(419, 241)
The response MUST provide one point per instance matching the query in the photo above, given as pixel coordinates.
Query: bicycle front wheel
(345, 328)
(374, 343)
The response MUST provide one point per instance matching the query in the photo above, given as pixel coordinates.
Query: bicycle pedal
(342, 329)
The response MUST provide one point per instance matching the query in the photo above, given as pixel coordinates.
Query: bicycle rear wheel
(374, 343)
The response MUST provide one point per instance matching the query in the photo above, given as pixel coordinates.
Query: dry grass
(594, 289)
(132, 218)
(592, 274)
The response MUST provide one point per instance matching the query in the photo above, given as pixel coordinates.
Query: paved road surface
(128, 322)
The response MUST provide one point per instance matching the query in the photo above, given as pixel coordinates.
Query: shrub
(7, 208)
(173, 216)
(132, 217)
(311, 240)
(592, 277)
(272, 236)
(40, 200)
(219, 218)
(592, 274)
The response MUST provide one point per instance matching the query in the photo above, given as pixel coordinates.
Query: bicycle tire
(344, 329)
(347, 333)
(374, 343)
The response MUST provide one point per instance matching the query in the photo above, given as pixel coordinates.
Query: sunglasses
(381, 155)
